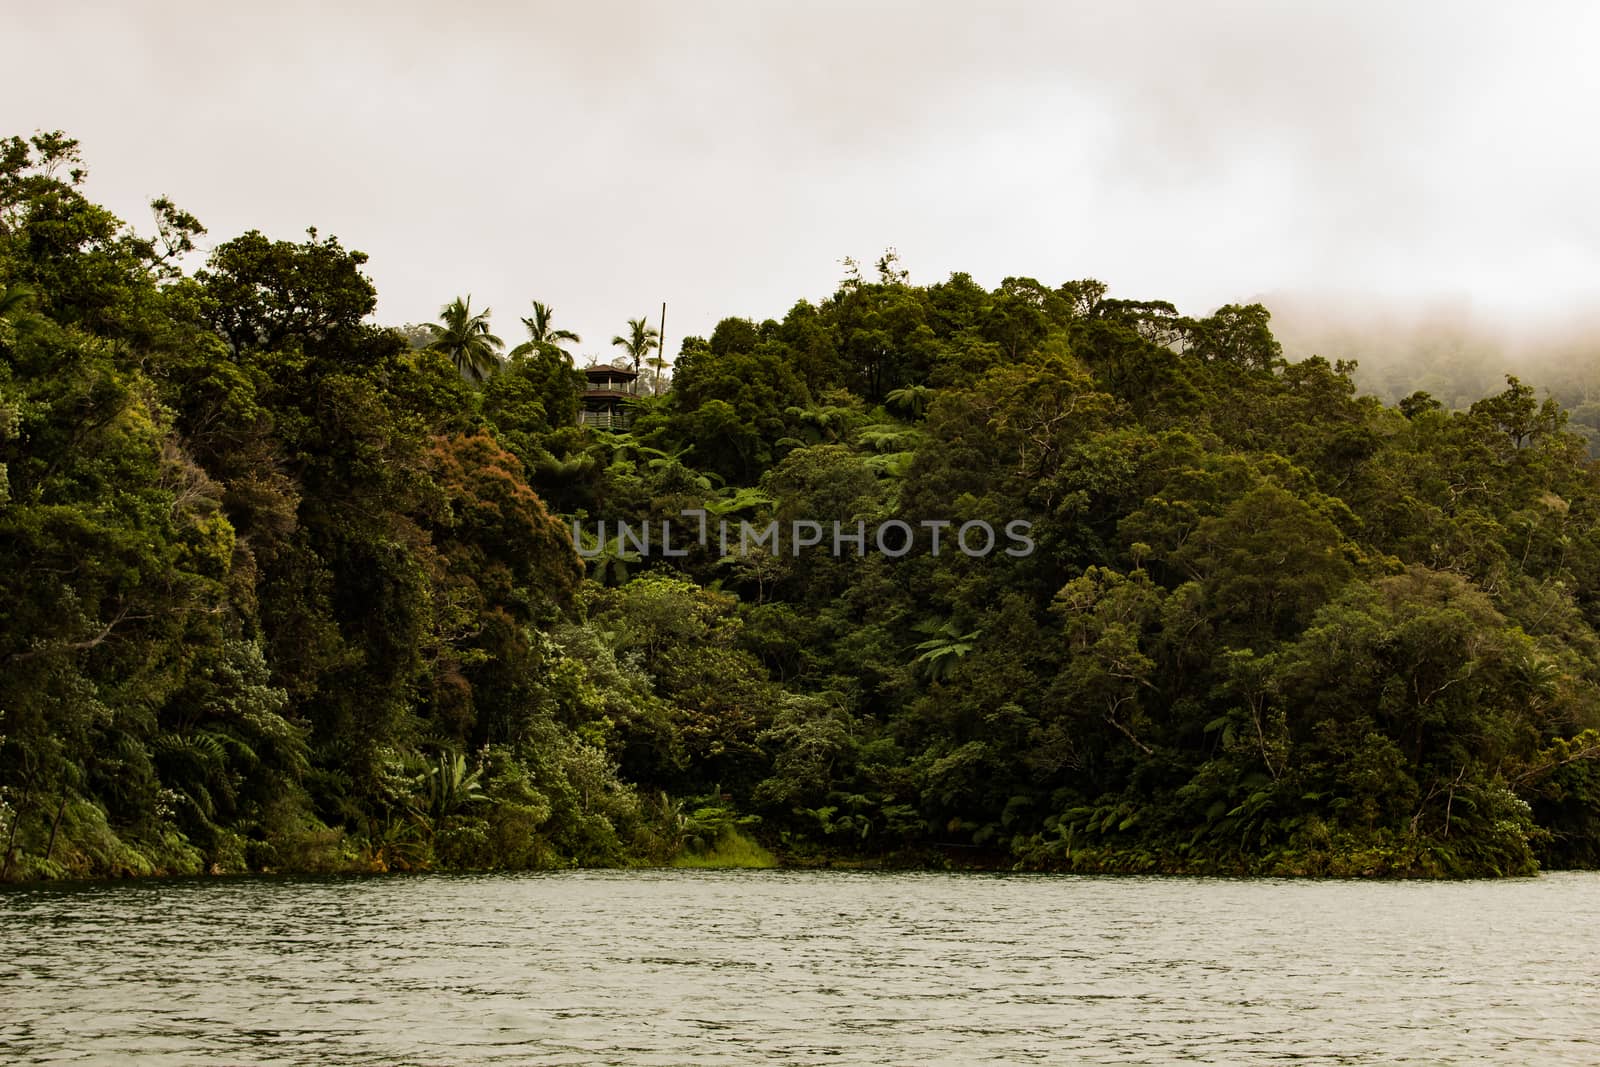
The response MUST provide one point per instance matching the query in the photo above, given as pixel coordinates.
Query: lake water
(788, 967)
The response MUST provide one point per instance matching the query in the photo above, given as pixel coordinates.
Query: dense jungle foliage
(281, 589)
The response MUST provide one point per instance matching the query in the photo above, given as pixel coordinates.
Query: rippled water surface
(800, 967)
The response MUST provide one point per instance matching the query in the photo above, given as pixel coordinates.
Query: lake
(800, 967)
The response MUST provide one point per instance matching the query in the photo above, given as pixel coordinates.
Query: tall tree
(542, 337)
(465, 338)
(263, 295)
(641, 338)
(658, 368)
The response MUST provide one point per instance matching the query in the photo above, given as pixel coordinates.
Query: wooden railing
(605, 420)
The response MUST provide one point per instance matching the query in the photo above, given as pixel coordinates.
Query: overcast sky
(725, 157)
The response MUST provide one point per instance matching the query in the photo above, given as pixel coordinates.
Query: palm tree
(15, 307)
(14, 300)
(450, 785)
(658, 365)
(739, 500)
(941, 652)
(820, 423)
(466, 339)
(640, 340)
(610, 560)
(911, 400)
(541, 338)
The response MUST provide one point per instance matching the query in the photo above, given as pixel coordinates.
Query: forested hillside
(281, 589)
(1453, 352)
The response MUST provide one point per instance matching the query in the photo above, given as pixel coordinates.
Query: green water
(784, 967)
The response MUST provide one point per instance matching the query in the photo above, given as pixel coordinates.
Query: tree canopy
(282, 589)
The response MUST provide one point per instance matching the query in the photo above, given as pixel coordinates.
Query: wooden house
(605, 397)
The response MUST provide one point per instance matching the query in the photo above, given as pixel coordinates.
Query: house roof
(602, 370)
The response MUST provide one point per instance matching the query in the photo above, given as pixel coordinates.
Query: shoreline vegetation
(741, 852)
(282, 590)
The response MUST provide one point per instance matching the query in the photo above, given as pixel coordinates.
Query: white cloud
(724, 157)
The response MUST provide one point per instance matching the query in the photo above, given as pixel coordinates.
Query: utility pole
(661, 346)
